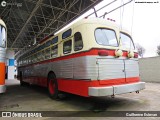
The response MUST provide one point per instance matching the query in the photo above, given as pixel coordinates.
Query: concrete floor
(34, 98)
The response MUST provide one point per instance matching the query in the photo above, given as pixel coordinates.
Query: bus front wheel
(52, 86)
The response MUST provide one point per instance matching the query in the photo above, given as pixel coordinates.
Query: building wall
(150, 69)
(10, 64)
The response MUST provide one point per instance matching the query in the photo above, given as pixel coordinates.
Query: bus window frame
(71, 46)
(48, 44)
(129, 37)
(5, 45)
(118, 42)
(69, 30)
(54, 46)
(54, 39)
(81, 40)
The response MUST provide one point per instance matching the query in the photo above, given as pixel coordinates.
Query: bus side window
(78, 43)
(66, 34)
(29, 59)
(54, 40)
(39, 56)
(47, 53)
(127, 41)
(32, 58)
(43, 55)
(67, 46)
(54, 51)
(47, 50)
(23, 61)
(35, 57)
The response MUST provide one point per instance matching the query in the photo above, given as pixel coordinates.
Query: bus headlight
(130, 54)
(118, 53)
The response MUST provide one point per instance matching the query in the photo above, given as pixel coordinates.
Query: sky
(146, 27)
(141, 19)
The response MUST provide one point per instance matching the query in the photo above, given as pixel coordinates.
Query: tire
(52, 86)
(22, 83)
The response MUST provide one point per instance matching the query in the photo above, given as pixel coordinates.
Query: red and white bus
(3, 39)
(93, 57)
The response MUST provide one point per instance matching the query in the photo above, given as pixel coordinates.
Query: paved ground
(34, 98)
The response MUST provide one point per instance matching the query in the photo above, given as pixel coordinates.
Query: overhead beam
(29, 18)
(60, 14)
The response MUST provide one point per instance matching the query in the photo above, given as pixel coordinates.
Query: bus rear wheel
(22, 83)
(52, 87)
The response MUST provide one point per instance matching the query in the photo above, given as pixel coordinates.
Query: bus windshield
(106, 37)
(127, 41)
(2, 36)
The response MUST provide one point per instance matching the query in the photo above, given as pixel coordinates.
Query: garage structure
(29, 21)
(39, 18)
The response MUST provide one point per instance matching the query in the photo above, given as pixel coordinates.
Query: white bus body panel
(87, 68)
(131, 68)
(74, 68)
(111, 69)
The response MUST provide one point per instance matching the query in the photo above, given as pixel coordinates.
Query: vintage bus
(3, 39)
(93, 57)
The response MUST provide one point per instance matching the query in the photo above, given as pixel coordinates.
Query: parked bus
(3, 39)
(93, 57)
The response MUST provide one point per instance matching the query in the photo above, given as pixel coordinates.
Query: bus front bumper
(2, 88)
(116, 89)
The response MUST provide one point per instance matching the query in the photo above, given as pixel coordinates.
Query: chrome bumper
(116, 89)
(2, 88)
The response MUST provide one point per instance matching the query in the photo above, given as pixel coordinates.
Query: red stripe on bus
(119, 81)
(2, 73)
(80, 54)
(80, 87)
(133, 79)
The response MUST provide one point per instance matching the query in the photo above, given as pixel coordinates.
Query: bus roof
(97, 21)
